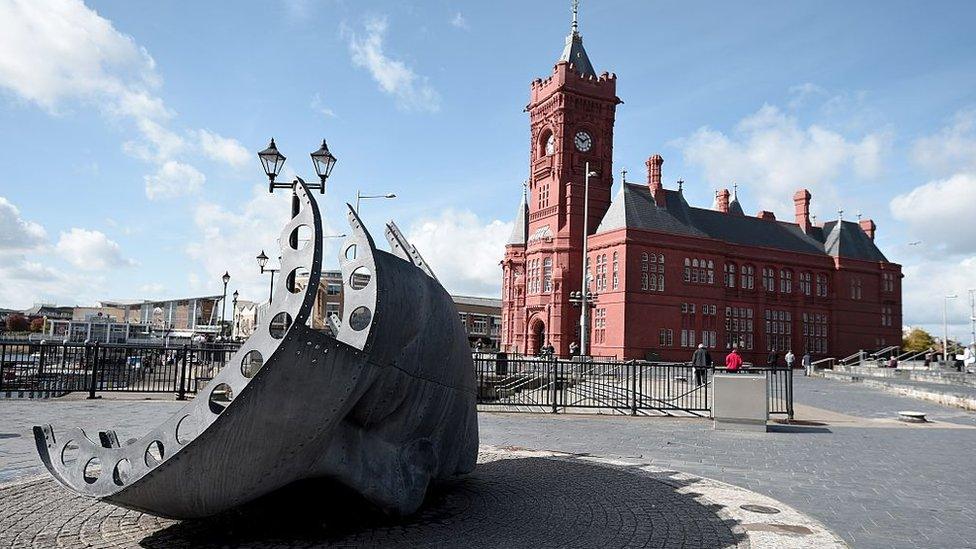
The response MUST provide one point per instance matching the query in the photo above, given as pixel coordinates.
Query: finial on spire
(681, 184)
(623, 175)
(813, 218)
(735, 189)
(525, 189)
(859, 215)
(575, 16)
(840, 215)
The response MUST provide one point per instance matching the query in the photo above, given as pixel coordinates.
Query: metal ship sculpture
(384, 407)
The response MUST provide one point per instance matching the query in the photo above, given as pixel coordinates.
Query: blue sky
(129, 128)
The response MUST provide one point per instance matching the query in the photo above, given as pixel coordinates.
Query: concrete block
(739, 402)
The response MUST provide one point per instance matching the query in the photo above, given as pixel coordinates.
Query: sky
(129, 130)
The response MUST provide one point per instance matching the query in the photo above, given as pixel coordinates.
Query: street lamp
(584, 296)
(223, 303)
(367, 196)
(272, 161)
(945, 327)
(262, 262)
(235, 323)
(972, 315)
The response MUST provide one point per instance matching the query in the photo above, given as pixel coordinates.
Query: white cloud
(318, 105)
(940, 213)
(458, 21)
(952, 149)
(463, 251)
(411, 91)
(224, 149)
(229, 240)
(924, 286)
(152, 289)
(173, 179)
(771, 153)
(26, 282)
(90, 250)
(16, 233)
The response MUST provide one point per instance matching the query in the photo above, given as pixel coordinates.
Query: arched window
(644, 262)
(748, 278)
(785, 281)
(730, 275)
(710, 272)
(547, 143)
(644, 283)
(687, 276)
(694, 271)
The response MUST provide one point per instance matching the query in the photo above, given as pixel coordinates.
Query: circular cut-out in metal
(69, 454)
(300, 237)
(279, 325)
(350, 252)
(766, 510)
(186, 429)
(121, 472)
(93, 470)
(251, 363)
(220, 397)
(154, 453)
(291, 283)
(360, 277)
(360, 317)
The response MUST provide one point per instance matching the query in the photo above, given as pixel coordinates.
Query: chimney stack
(801, 202)
(868, 226)
(654, 178)
(723, 200)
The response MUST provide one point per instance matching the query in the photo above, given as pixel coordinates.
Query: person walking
(701, 361)
(807, 363)
(733, 361)
(790, 359)
(772, 358)
(573, 349)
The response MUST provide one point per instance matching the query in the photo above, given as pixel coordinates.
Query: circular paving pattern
(513, 499)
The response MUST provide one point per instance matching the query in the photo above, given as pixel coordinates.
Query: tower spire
(575, 26)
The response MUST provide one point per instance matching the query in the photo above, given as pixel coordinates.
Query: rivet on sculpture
(384, 407)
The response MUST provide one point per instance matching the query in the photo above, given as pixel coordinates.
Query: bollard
(92, 357)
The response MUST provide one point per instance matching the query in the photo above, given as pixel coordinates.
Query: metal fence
(626, 387)
(58, 368)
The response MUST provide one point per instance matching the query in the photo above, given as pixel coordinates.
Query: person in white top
(790, 359)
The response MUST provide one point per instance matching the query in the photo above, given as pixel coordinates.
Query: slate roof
(575, 54)
(520, 232)
(634, 208)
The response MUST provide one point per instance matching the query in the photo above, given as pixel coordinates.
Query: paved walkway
(874, 481)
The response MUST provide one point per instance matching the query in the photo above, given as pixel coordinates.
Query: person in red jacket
(733, 361)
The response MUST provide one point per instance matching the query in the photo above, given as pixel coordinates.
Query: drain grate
(766, 510)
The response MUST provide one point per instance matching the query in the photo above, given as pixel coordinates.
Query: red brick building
(670, 275)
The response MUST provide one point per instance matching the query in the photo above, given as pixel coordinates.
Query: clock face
(583, 141)
(550, 145)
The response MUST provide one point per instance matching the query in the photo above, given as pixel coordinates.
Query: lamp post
(235, 323)
(360, 196)
(262, 262)
(223, 303)
(972, 316)
(945, 327)
(272, 161)
(584, 296)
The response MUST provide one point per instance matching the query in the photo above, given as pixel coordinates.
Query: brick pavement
(873, 481)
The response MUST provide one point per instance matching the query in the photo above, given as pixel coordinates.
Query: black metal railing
(629, 387)
(58, 368)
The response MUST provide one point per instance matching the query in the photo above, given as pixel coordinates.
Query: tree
(918, 340)
(17, 322)
(37, 324)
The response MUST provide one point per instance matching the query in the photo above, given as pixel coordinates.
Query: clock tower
(571, 115)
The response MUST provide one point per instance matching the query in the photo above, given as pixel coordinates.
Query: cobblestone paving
(511, 502)
(876, 483)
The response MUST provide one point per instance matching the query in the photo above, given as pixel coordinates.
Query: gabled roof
(634, 208)
(520, 232)
(574, 53)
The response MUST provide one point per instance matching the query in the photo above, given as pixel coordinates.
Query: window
(479, 326)
(856, 288)
(616, 280)
(779, 330)
(738, 328)
(687, 272)
(748, 278)
(600, 325)
(785, 281)
(698, 271)
(821, 285)
(547, 275)
(887, 282)
(815, 332)
(665, 338)
(886, 315)
(542, 194)
(730, 275)
(806, 283)
(769, 279)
